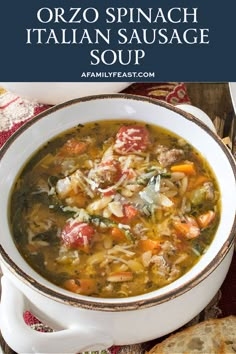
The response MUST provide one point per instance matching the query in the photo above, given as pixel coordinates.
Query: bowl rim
(133, 303)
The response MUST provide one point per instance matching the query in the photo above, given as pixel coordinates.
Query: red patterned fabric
(171, 92)
(16, 111)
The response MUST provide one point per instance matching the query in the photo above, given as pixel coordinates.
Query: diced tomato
(78, 235)
(111, 171)
(109, 162)
(132, 138)
(109, 192)
(129, 214)
(129, 211)
(73, 146)
(188, 227)
(130, 173)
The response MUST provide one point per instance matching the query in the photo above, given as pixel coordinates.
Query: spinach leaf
(49, 236)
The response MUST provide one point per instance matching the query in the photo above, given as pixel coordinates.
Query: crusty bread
(217, 336)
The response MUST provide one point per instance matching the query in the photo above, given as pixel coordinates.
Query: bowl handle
(24, 339)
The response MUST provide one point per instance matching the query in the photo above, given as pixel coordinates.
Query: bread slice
(216, 336)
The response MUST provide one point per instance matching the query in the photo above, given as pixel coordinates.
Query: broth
(114, 209)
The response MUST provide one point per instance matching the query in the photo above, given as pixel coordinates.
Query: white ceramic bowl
(58, 92)
(86, 323)
(232, 90)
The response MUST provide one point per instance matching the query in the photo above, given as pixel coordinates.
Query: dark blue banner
(94, 40)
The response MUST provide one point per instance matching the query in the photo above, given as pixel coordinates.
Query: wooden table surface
(214, 99)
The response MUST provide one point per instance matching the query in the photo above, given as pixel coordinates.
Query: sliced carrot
(200, 180)
(117, 234)
(188, 227)
(149, 245)
(71, 285)
(176, 200)
(187, 168)
(118, 277)
(87, 286)
(196, 182)
(204, 220)
(78, 200)
(80, 286)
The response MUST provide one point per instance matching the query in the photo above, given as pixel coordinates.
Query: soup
(114, 209)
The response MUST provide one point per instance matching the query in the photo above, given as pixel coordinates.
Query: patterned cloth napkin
(16, 111)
